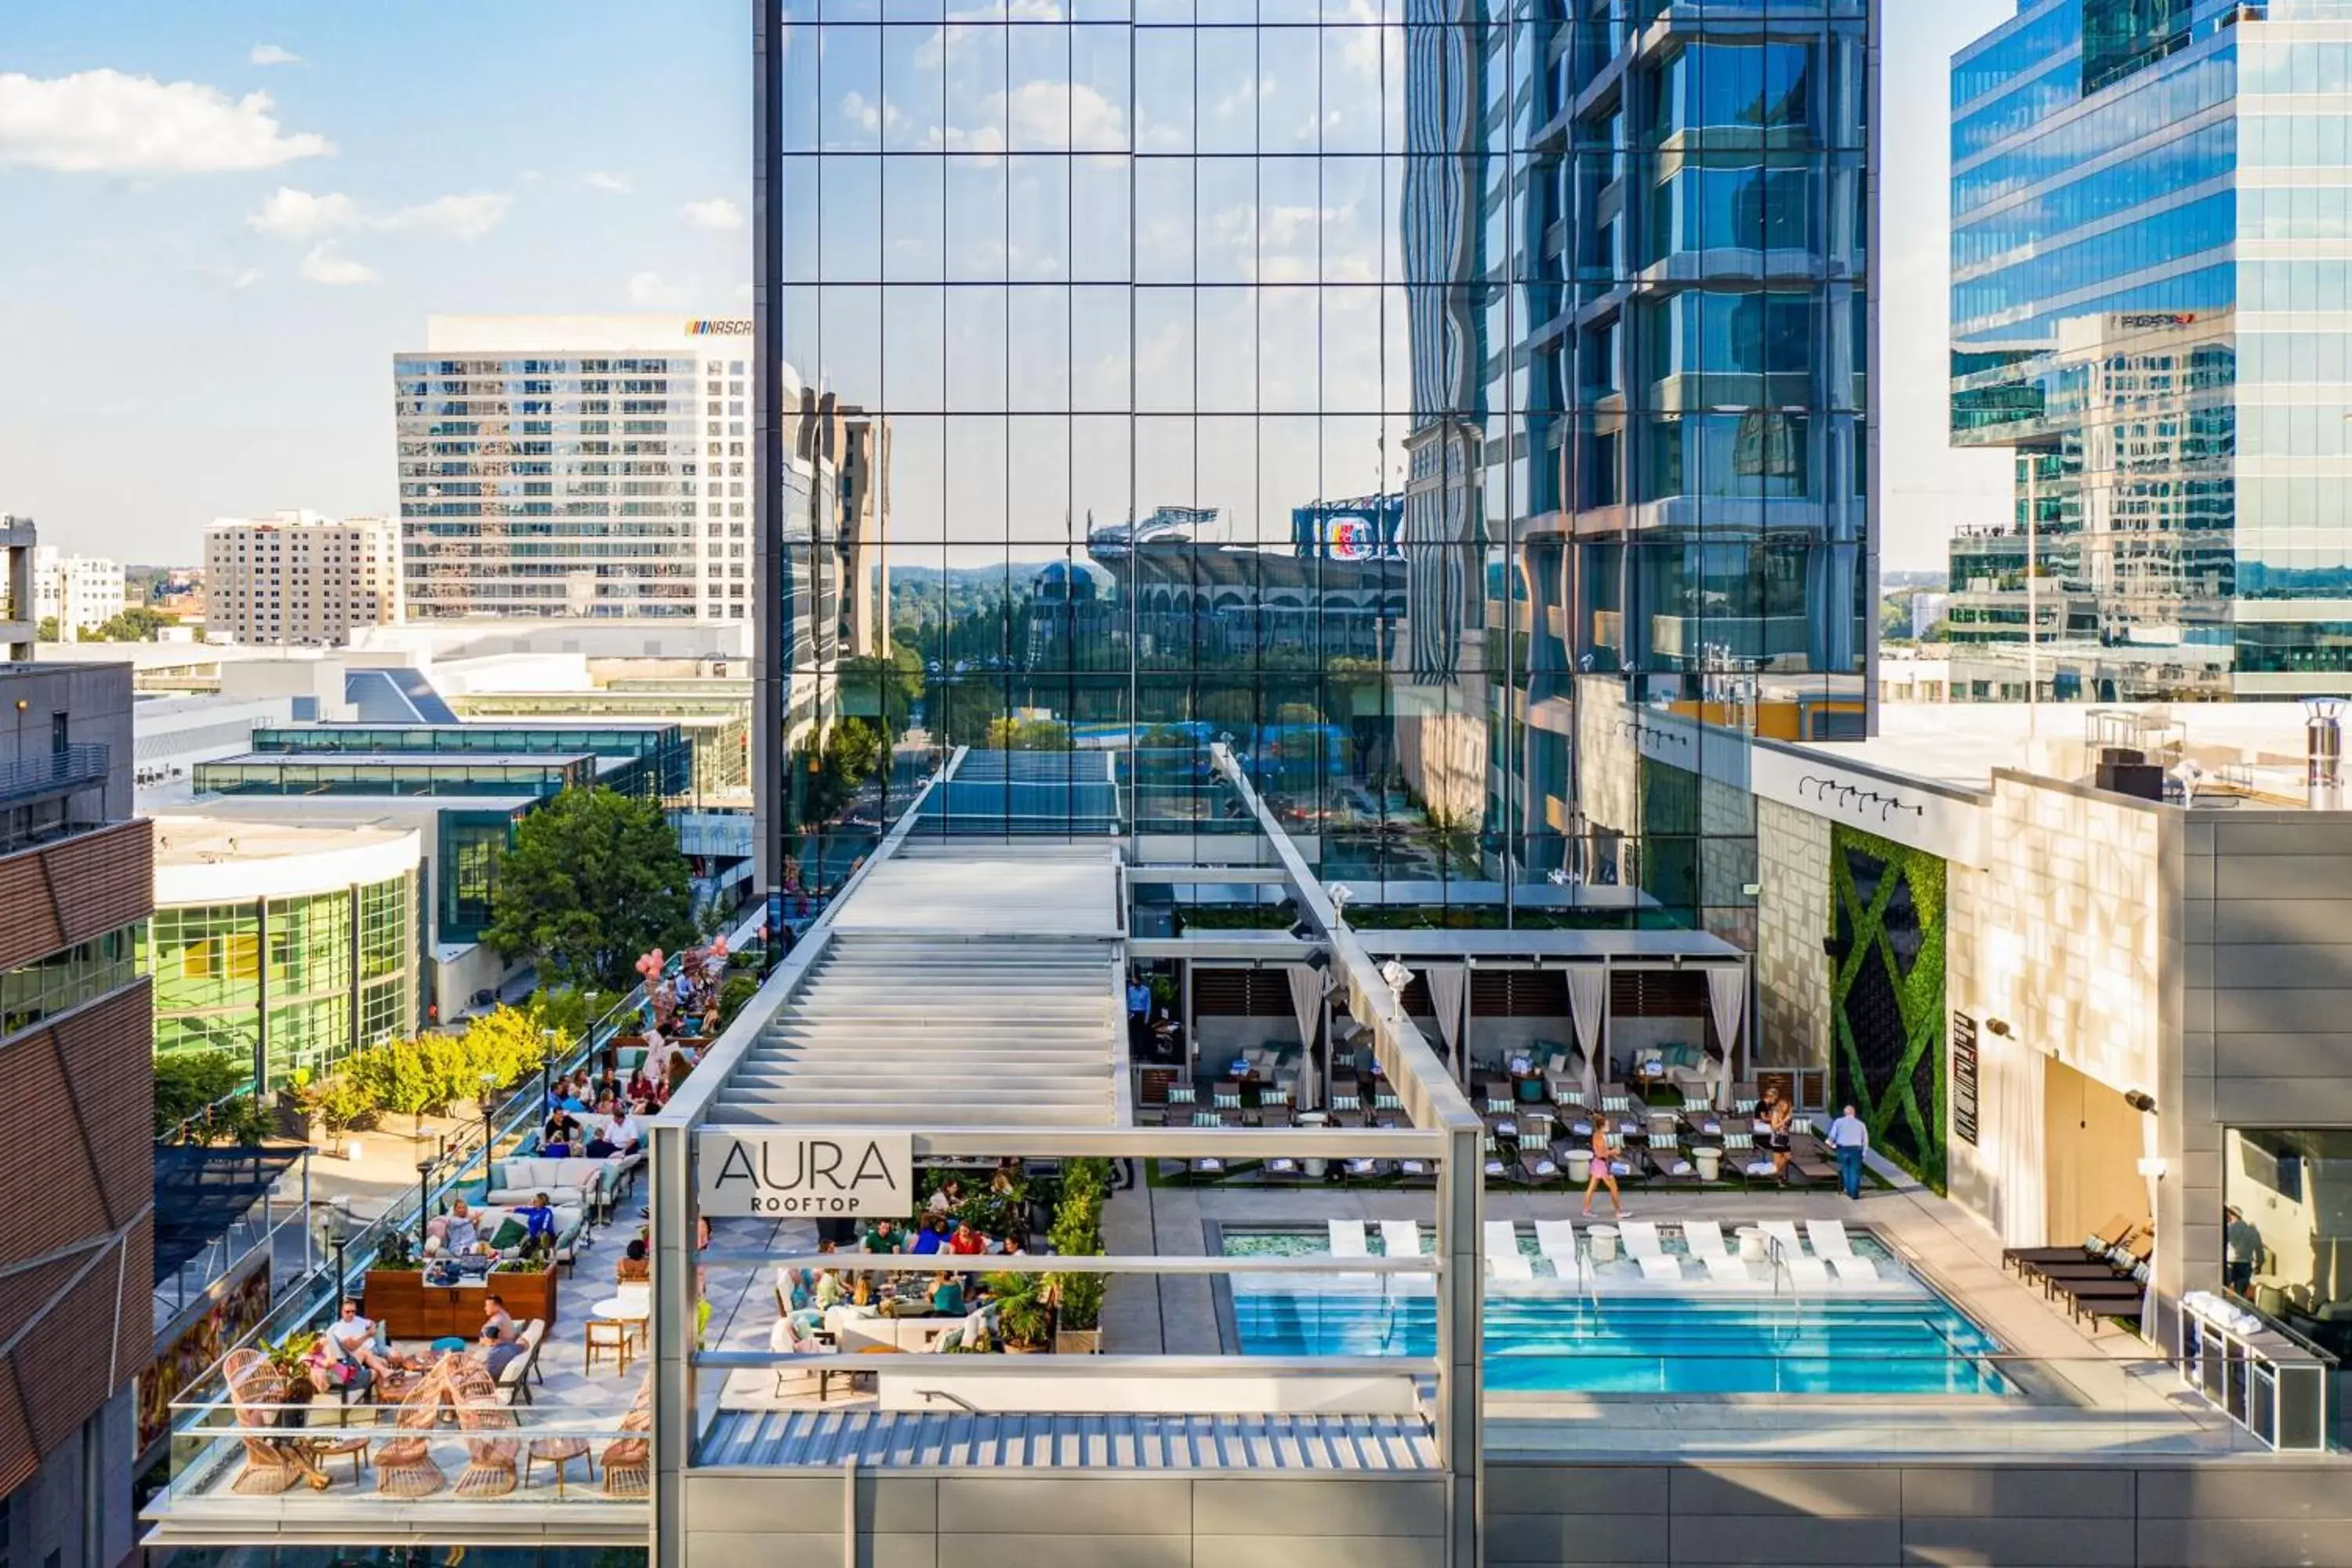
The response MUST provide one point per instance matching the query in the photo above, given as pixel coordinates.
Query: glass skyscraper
(2151, 253)
(1369, 384)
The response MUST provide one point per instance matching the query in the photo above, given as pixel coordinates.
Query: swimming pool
(1553, 1336)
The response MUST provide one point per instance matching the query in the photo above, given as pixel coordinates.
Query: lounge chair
(1360, 1169)
(1659, 1269)
(1537, 1168)
(1704, 1238)
(1556, 1239)
(1724, 1270)
(2116, 1265)
(1854, 1270)
(1829, 1238)
(1640, 1239)
(1667, 1161)
(404, 1467)
(1281, 1171)
(1348, 1239)
(1417, 1173)
(1504, 1258)
(2102, 1241)
(1496, 1169)
(1401, 1238)
(1781, 1234)
(1741, 1153)
(1810, 1271)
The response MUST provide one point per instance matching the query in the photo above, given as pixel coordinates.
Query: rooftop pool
(1574, 1326)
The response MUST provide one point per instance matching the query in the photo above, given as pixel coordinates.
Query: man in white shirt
(1849, 1139)
(623, 1133)
(353, 1338)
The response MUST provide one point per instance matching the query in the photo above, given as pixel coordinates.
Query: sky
(223, 219)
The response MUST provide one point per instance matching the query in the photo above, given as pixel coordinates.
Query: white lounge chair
(1704, 1238)
(1829, 1238)
(1727, 1270)
(1504, 1258)
(1348, 1239)
(1556, 1239)
(1660, 1269)
(1640, 1239)
(1401, 1237)
(1782, 1236)
(1855, 1270)
(1810, 1271)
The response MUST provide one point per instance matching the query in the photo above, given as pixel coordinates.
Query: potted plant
(1077, 1232)
(1023, 1319)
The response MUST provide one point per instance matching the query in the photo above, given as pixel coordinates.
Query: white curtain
(1447, 984)
(2010, 1139)
(1306, 1008)
(1588, 1000)
(1727, 998)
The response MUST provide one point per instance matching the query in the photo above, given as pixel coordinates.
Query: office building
(288, 946)
(2147, 286)
(77, 882)
(18, 624)
(298, 578)
(595, 466)
(79, 593)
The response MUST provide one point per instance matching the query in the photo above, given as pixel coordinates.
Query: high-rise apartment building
(79, 593)
(2149, 268)
(296, 577)
(591, 466)
(77, 882)
(1578, 304)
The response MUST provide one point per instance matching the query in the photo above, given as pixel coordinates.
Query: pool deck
(2093, 1392)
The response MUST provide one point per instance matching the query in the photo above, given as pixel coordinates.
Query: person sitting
(495, 1349)
(458, 1233)
(967, 1242)
(353, 1338)
(568, 1093)
(635, 1265)
(496, 1316)
(944, 1200)
(1014, 1246)
(623, 1133)
(947, 1295)
(883, 1236)
(561, 1137)
(930, 1236)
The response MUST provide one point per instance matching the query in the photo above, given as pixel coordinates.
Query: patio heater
(489, 1088)
(2323, 744)
(424, 1199)
(547, 1046)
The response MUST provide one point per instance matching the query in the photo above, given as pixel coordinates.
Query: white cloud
(103, 122)
(933, 49)
(271, 54)
(325, 264)
(653, 288)
(1041, 114)
(612, 184)
(290, 213)
(245, 279)
(468, 216)
(870, 117)
(718, 213)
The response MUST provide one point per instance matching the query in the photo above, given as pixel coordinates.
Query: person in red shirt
(967, 1242)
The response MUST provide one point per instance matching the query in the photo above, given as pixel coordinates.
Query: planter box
(1078, 1341)
(412, 1310)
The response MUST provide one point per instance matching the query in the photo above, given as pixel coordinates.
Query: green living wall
(1886, 995)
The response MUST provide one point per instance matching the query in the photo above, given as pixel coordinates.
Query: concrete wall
(2257, 1514)
(97, 698)
(1792, 916)
(756, 1519)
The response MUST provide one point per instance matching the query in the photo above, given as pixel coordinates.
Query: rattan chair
(253, 1384)
(490, 1461)
(404, 1466)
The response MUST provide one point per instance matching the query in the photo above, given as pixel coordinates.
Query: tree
(48, 630)
(593, 880)
(137, 623)
(883, 689)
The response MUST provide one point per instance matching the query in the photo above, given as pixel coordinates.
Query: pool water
(1555, 1339)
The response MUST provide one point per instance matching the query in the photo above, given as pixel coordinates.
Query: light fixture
(1341, 896)
(2139, 1100)
(1397, 975)
(1998, 1026)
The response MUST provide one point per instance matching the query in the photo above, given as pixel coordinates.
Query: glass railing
(333, 1455)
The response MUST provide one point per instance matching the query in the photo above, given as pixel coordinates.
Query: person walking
(1849, 1140)
(1604, 1171)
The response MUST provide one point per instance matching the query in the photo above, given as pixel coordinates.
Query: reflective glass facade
(1340, 379)
(2151, 252)
(305, 977)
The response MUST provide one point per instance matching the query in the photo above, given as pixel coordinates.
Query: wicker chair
(628, 1461)
(253, 1383)
(404, 1466)
(490, 1461)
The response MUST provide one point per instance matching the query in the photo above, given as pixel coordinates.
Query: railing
(66, 768)
(227, 1459)
(259, 1226)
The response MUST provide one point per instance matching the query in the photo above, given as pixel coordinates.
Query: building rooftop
(209, 840)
